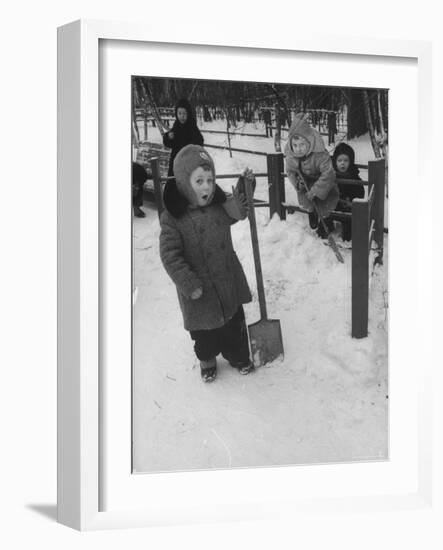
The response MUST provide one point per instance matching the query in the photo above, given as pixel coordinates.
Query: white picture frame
(81, 390)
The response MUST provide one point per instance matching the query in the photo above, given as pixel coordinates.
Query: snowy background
(327, 401)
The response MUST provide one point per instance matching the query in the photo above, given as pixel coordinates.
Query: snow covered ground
(327, 401)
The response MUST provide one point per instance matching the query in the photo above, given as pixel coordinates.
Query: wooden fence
(367, 223)
(367, 227)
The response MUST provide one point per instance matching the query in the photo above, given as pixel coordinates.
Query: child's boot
(346, 231)
(208, 369)
(243, 367)
(138, 212)
(329, 223)
(313, 219)
(321, 231)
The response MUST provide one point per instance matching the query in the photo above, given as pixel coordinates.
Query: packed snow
(325, 401)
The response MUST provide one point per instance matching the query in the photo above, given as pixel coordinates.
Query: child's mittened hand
(248, 174)
(196, 294)
(171, 135)
(241, 201)
(310, 195)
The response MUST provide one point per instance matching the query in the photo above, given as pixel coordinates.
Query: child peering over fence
(308, 163)
(343, 160)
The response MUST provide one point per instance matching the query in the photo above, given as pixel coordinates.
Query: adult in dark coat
(183, 132)
(343, 161)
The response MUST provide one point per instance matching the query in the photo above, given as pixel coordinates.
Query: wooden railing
(367, 223)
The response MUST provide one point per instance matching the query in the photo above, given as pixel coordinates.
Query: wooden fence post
(360, 267)
(276, 184)
(376, 170)
(155, 168)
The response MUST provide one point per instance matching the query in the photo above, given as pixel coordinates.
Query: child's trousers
(231, 340)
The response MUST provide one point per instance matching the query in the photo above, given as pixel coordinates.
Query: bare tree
(370, 124)
(277, 135)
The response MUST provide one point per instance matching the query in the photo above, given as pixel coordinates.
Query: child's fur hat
(187, 160)
(343, 149)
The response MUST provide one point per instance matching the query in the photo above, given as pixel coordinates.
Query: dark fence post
(360, 267)
(155, 168)
(276, 184)
(281, 188)
(377, 172)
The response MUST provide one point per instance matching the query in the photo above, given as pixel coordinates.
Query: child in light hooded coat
(307, 161)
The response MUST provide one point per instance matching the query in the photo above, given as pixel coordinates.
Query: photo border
(79, 256)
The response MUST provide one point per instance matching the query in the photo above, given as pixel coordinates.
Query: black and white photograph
(259, 274)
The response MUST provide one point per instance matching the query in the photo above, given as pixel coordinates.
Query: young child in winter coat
(308, 162)
(343, 161)
(197, 252)
(183, 132)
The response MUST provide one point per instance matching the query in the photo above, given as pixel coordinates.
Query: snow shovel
(321, 221)
(264, 335)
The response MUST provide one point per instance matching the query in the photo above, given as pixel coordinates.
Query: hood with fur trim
(345, 149)
(301, 127)
(185, 104)
(177, 204)
(186, 161)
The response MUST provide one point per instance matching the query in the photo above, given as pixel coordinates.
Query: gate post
(377, 178)
(360, 267)
(276, 184)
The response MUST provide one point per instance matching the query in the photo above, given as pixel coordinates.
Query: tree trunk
(145, 124)
(227, 132)
(277, 136)
(135, 136)
(370, 124)
(193, 90)
(383, 133)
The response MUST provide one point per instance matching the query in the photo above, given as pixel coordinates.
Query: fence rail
(226, 147)
(232, 133)
(367, 217)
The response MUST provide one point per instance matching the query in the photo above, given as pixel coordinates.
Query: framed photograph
(234, 336)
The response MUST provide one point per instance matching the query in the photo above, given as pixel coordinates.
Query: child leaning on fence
(310, 171)
(197, 252)
(343, 161)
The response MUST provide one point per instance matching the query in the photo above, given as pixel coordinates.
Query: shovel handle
(255, 249)
(323, 224)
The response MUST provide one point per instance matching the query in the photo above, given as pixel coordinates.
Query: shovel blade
(266, 341)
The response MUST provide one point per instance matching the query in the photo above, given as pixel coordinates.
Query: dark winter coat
(350, 191)
(315, 168)
(139, 176)
(184, 134)
(197, 252)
